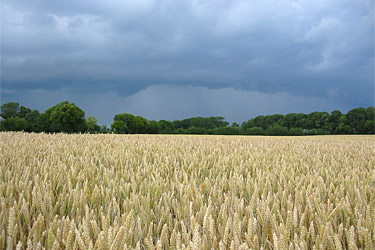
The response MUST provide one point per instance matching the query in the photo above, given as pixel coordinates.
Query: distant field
(186, 192)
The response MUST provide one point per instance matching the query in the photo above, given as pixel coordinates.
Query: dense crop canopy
(62, 191)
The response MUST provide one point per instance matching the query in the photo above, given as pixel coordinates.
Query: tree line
(69, 118)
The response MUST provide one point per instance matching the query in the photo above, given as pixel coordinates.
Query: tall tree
(66, 117)
(91, 124)
(357, 120)
(166, 127)
(153, 127)
(370, 120)
(333, 121)
(119, 127)
(23, 112)
(127, 123)
(10, 109)
(130, 124)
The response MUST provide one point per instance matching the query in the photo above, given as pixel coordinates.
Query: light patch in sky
(173, 102)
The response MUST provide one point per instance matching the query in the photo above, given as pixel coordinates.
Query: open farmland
(186, 192)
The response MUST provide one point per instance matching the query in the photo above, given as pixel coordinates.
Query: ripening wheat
(186, 192)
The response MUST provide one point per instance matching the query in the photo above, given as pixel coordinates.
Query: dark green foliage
(166, 127)
(119, 127)
(295, 131)
(197, 131)
(333, 121)
(43, 123)
(18, 118)
(201, 122)
(130, 124)
(235, 125)
(67, 117)
(315, 131)
(343, 127)
(10, 109)
(357, 118)
(123, 123)
(225, 131)
(317, 120)
(153, 127)
(370, 120)
(255, 131)
(91, 124)
(32, 117)
(15, 124)
(277, 130)
(23, 112)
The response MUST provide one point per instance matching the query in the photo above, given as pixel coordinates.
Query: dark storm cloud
(317, 50)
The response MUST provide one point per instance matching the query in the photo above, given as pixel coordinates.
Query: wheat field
(61, 191)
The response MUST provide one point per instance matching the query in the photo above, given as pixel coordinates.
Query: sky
(165, 59)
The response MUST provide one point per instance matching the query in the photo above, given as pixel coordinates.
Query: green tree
(91, 124)
(289, 120)
(344, 127)
(201, 122)
(295, 131)
(255, 131)
(197, 131)
(277, 130)
(370, 126)
(235, 125)
(23, 112)
(66, 117)
(10, 109)
(166, 127)
(225, 131)
(15, 124)
(370, 120)
(42, 123)
(141, 125)
(260, 121)
(271, 120)
(301, 121)
(317, 120)
(119, 127)
(131, 124)
(357, 120)
(333, 121)
(32, 117)
(153, 127)
(127, 119)
(217, 122)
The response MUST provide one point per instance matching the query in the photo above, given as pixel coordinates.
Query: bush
(197, 131)
(277, 130)
(315, 132)
(295, 131)
(225, 131)
(15, 124)
(254, 131)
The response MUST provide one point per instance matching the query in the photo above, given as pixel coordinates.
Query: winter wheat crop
(186, 192)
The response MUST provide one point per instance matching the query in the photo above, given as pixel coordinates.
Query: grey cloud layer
(311, 49)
